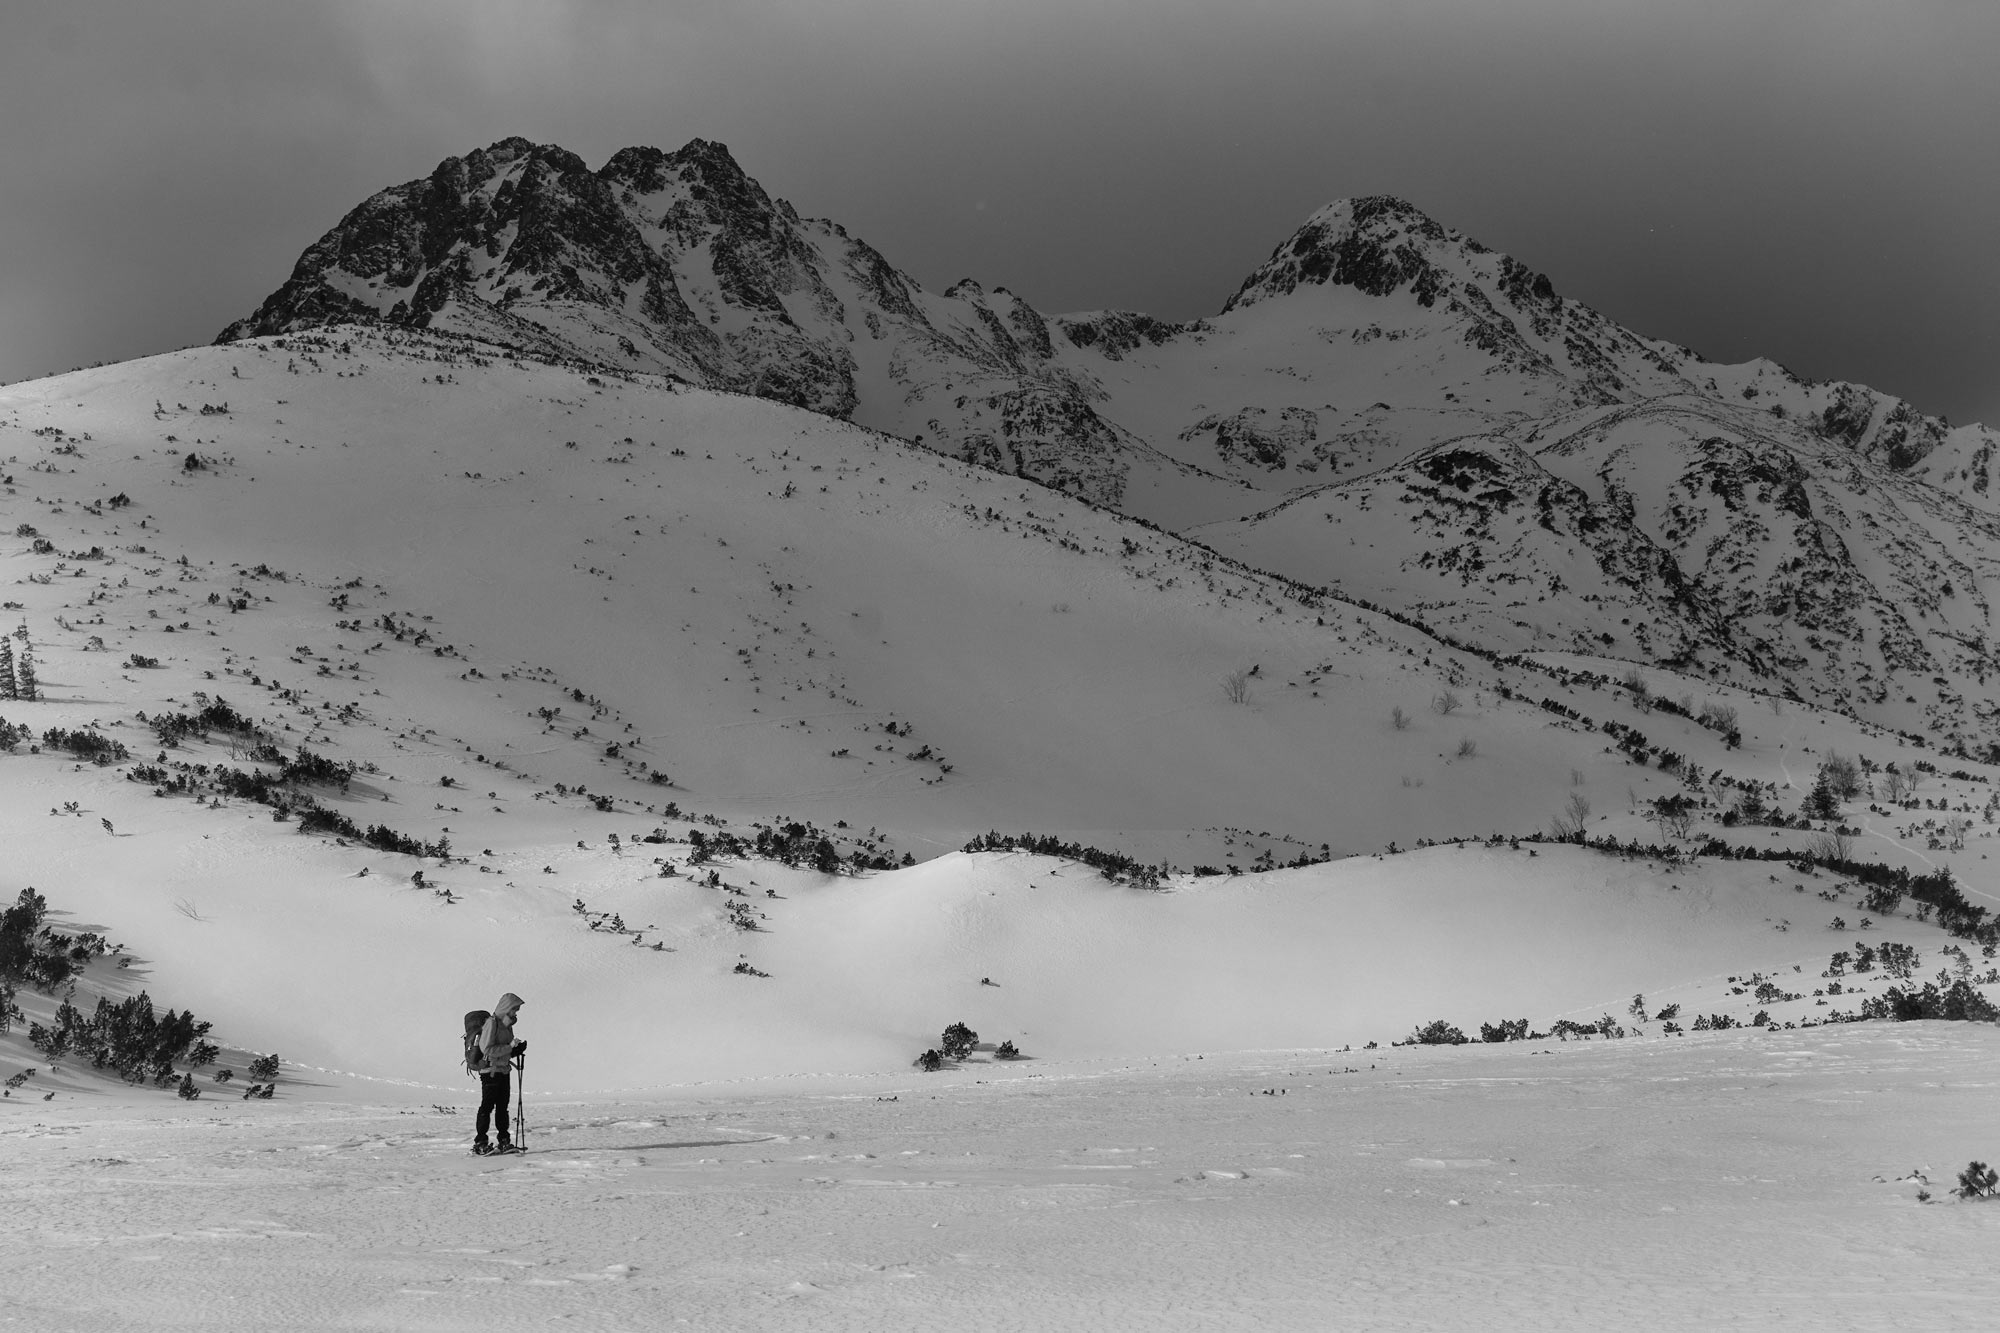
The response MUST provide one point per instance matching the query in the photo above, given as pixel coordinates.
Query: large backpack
(475, 1054)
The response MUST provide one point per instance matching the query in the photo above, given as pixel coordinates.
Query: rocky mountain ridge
(1683, 511)
(680, 262)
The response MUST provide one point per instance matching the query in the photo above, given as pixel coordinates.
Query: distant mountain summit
(523, 244)
(1733, 519)
(1372, 325)
(1377, 244)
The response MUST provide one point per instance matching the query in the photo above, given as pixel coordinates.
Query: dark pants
(494, 1091)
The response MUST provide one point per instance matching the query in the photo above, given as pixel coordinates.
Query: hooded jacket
(496, 1039)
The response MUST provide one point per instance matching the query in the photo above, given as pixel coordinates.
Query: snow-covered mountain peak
(1379, 245)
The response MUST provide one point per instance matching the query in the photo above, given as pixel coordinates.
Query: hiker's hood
(508, 1007)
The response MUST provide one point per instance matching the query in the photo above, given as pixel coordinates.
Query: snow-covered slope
(1371, 335)
(758, 595)
(1673, 531)
(549, 614)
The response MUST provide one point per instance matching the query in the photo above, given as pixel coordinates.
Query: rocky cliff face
(523, 244)
(679, 263)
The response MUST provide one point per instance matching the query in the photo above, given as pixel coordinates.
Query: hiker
(498, 1048)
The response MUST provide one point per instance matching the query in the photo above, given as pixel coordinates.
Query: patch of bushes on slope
(127, 1037)
(278, 790)
(86, 743)
(957, 1043)
(1886, 885)
(1945, 999)
(1114, 866)
(792, 843)
(1438, 1032)
(795, 843)
(316, 818)
(1955, 1001)
(34, 954)
(217, 715)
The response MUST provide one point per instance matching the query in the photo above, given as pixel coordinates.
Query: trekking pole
(521, 1102)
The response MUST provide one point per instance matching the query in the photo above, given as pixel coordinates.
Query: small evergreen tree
(1437, 1033)
(957, 1041)
(24, 675)
(1978, 1181)
(1843, 775)
(1821, 802)
(7, 689)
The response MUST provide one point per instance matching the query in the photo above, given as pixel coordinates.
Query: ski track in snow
(1666, 1184)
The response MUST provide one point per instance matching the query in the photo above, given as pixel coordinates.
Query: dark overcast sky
(1810, 180)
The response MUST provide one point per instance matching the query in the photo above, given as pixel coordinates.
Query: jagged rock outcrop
(1260, 436)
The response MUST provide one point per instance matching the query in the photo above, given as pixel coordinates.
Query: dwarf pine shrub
(957, 1041)
(128, 1038)
(1437, 1032)
(1978, 1181)
(1958, 1002)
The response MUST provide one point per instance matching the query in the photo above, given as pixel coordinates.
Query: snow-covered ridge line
(1822, 529)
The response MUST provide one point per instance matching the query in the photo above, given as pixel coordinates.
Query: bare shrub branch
(1569, 825)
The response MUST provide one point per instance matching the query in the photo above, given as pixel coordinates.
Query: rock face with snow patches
(1822, 538)
(680, 263)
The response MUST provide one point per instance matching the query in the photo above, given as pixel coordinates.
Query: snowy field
(1722, 1180)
